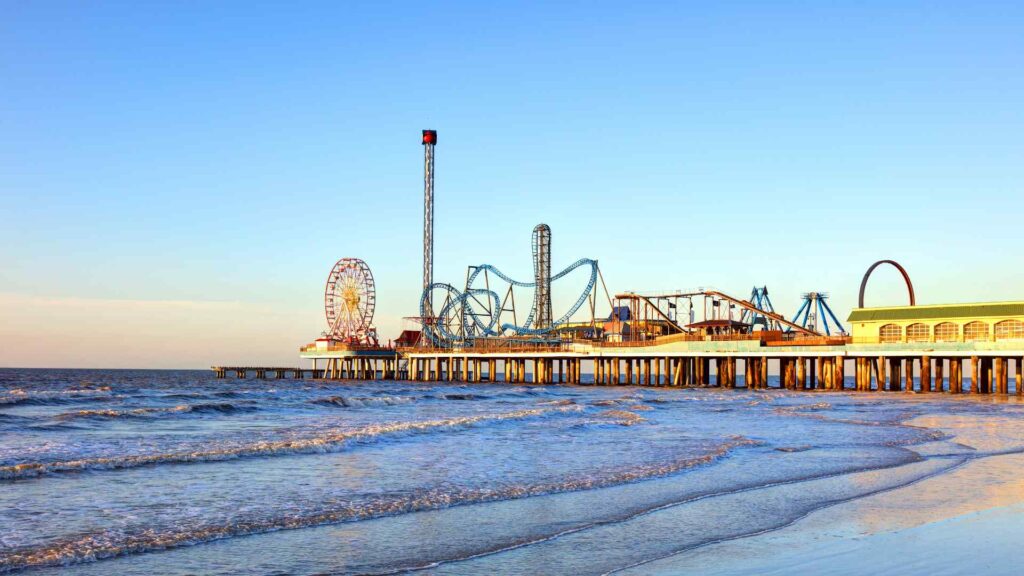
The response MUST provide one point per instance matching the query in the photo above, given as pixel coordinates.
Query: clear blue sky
(225, 154)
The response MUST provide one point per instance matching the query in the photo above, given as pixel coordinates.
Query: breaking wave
(461, 397)
(562, 402)
(104, 544)
(71, 396)
(211, 408)
(329, 442)
(623, 417)
(361, 401)
(798, 408)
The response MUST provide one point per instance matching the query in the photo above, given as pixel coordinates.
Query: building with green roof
(973, 322)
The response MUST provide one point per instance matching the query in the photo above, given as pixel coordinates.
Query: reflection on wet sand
(919, 528)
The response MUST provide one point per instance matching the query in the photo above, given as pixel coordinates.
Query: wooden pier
(262, 371)
(953, 349)
(920, 374)
(846, 370)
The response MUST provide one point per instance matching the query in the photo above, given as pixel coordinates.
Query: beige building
(978, 322)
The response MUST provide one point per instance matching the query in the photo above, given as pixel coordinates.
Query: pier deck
(952, 367)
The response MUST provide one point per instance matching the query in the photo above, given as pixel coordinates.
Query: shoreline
(933, 525)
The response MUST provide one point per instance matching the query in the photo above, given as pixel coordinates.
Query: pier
(954, 349)
(261, 372)
(842, 364)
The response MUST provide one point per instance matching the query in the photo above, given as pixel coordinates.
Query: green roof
(981, 310)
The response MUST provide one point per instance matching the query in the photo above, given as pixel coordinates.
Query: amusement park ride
(482, 312)
(476, 313)
(815, 310)
(349, 302)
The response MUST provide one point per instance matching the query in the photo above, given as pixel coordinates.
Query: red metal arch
(906, 278)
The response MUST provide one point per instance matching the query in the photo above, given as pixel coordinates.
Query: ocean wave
(221, 408)
(46, 397)
(464, 396)
(208, 408)
(13, 419)
(105, 544)
(800, 448)
(804, 407)
(623, 417)
(328, 442)
(918, 434)
(361, 401)
(562, 402)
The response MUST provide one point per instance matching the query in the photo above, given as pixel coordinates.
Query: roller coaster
(476, 312)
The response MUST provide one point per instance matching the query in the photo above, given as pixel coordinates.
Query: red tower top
(429, 137)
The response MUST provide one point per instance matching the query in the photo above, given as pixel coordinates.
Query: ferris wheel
(349, 301)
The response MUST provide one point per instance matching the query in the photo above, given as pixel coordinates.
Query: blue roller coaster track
(484, 323)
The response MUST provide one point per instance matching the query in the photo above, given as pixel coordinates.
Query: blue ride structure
(815, 309)
(757, 317)
(476, 312)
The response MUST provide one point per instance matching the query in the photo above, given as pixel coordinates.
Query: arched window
(1009, 330)
(918, 333)
(975, 331)
(890, 333)
(947, 332)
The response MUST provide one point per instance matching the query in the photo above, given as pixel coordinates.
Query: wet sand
(968, 520)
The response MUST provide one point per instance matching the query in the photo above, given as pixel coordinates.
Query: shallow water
(174, 472)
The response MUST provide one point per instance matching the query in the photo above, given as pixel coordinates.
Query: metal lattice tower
(429, 140)
(542, 276)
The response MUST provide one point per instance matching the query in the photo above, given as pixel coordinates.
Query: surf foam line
(632, 515)
(329, 442)
(792, 520)
(208, 408)
(817, 412)
(55, 397)
(362, 401)
(121, 542)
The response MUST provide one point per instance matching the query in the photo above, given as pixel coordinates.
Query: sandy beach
(965, 520)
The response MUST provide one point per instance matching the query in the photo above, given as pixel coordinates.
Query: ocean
(176, 472)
